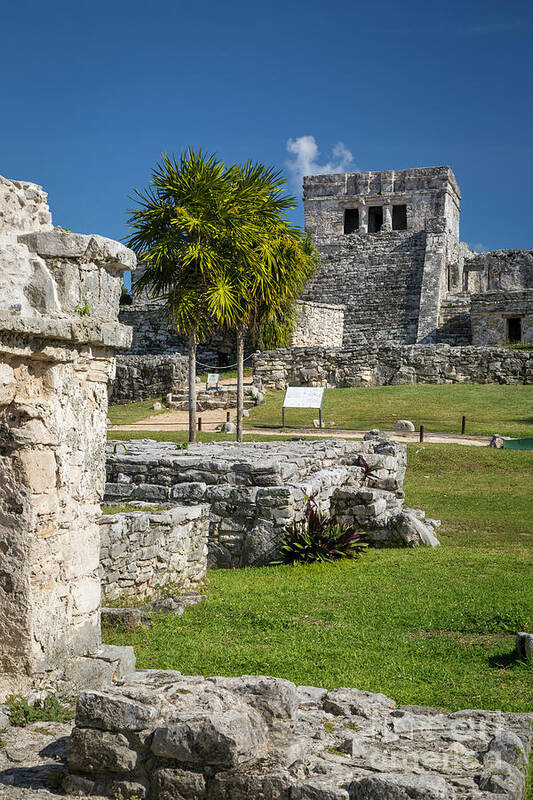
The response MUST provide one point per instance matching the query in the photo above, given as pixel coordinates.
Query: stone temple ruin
(391, 254)
(159, 735)
(397, 298)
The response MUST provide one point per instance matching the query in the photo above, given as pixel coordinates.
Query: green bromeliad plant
(318, 538)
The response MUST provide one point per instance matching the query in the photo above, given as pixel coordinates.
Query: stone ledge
(92, 247)
(71, 329)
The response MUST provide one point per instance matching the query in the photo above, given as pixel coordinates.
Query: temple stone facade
(391, 253)
(59, 295)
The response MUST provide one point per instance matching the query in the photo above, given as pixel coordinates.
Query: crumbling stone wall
(257, 490)
(499, 271)
(139, 377)
(143, 551)
(391, 364)
(319, 325)
(152, 336)
(58, 331)
(163, 736)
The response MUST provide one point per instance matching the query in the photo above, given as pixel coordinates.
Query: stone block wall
(139, 377)
(492, 310)
(499, 271)
(58, 333)
(391, 364)
(152, 336)
(143, 551)
(258, 490)
(378, 278)
(318, 325)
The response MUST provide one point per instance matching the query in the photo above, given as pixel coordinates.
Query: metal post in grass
(421, 433)
(199, 423)
(463, 425)
(227, 416)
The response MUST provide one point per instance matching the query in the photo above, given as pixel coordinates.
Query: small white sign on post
(213, 379)
(303, 397)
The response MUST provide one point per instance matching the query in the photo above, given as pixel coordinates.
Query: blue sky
(93, 92)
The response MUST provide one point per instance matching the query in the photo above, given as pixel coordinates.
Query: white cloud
(305, 162)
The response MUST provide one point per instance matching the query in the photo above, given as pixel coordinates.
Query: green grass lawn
(126, 413)
(429, 626)
(489, 409)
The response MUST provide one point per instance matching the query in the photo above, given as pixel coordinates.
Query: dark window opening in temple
(375, 219)
(450, 278)
(399, 218)
(514, 329)
(351, 220)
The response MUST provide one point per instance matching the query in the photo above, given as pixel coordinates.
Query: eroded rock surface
(164, 736)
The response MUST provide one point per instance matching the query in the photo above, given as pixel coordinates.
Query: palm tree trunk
(192, 386)
(240, 381)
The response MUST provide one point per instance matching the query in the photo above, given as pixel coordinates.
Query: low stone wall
(143, 551)
(390, 364)
(318, 325)
(256, 491)
(141, 377)
(163, 736)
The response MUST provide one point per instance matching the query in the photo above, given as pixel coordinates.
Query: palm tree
(218, 252)
(180, 230)
(273, 271)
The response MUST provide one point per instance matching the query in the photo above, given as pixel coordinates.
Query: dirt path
(213, 419)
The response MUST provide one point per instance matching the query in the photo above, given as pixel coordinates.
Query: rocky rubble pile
(165, 736)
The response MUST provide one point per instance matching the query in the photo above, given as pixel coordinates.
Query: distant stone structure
(59, 295)
(390, 364)
(390, 252)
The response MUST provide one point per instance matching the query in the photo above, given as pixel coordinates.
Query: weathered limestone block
(173, 737)
(58, 331)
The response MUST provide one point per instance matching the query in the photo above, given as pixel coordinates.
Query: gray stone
(228, 427)
(92, 750)
(404, 425)
(261, 545)
(178, 784)
(406, 786)
(524, 645)
(112, 713)
(220, 739)
(354, 702)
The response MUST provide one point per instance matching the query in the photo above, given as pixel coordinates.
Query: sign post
(303, 397)
(212, 382)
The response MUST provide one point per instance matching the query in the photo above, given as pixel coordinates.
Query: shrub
(317, 538)
(21, 713)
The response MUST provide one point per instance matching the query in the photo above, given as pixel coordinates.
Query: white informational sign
(303, 397)
(213, 379)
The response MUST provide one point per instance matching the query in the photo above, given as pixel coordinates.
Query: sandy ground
(212, 420)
